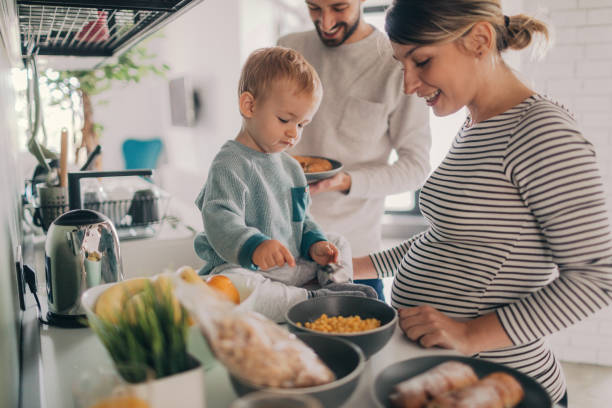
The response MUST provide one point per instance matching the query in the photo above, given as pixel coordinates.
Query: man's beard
(343, 26)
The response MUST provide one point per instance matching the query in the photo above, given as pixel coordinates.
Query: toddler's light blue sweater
(250, 197)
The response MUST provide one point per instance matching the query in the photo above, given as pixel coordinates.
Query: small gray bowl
(370, 341)
(343, 358)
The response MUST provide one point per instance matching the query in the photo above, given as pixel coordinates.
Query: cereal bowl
(370, 341)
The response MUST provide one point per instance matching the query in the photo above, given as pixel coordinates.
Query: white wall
(10, 232)
(204, 45)
(578, 73)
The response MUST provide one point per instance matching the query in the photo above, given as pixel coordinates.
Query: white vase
(185, 390)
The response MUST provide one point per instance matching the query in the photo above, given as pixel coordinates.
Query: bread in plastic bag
(248, 344)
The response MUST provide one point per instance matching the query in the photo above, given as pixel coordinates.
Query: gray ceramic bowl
(343, 358)
(369, 341)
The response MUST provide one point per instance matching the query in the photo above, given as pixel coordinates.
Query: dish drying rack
(92, 28)
(140, 216)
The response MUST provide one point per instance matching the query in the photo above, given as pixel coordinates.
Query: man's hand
(323, 252)
(271, 253)
(340, 182)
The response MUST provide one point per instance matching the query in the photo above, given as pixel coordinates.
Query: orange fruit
(224, 285)
(125, 401)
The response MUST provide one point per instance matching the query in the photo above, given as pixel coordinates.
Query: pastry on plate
(417, 391)
(496, 390)
(313, 164)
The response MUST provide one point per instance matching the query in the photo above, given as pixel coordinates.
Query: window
(55, 115)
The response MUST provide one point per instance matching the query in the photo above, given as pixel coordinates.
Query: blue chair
(141, 153)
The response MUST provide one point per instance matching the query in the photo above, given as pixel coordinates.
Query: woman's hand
(323, 252)
(432, 328)
(271, 253)
(340, 182)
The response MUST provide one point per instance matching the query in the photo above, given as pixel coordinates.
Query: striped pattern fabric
(518, 225)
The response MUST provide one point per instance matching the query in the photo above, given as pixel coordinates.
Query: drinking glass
(104, 387)
(266, 399)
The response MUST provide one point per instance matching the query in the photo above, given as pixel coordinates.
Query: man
(364, 115)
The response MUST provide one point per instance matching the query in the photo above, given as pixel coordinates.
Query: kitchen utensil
(63, 162)
(38, 151)
(317, 176)
(53, 203)
(369, 341)
(35, 120)
(535, 395)
(81, 250)
(95, 31)
(344, 358)
(143, 209)
(94, 153)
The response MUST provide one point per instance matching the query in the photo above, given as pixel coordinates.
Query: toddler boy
(255, 201)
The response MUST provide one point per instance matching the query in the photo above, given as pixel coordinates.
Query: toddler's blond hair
(266, 66)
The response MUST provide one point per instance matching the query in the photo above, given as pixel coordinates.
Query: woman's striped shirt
(518, 225)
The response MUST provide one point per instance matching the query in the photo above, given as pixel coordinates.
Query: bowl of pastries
(344, 359)
(365, 322)
(454, 381)
(318, 168)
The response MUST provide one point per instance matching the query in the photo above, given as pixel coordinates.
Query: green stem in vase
(150, 331)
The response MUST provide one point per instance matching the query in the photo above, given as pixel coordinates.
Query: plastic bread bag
(248, 344)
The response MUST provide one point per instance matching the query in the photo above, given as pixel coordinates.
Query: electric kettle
(81, 251)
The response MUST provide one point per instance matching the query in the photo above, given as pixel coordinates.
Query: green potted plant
(151, 330)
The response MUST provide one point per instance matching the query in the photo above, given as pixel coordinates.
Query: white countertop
(66, 353)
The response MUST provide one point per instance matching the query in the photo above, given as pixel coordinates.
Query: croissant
(417, 391)
(313, 164)
(497, 390)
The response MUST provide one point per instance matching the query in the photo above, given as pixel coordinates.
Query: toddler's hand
(271, 253)
(324, 252)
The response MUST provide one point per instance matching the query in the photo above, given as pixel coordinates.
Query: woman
(519, 244)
